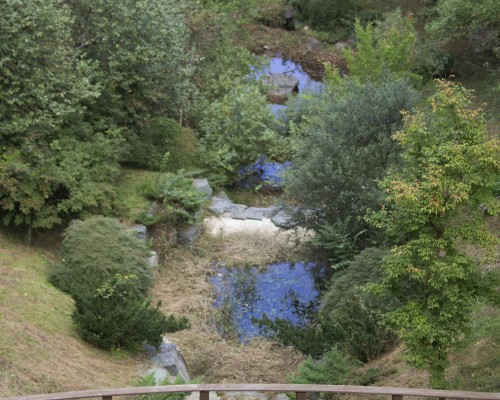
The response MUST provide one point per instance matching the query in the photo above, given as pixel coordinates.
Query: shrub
(160, 136)
(95, 250)
(115, 316)
(352, 317)
(334, 368)
(176, 197)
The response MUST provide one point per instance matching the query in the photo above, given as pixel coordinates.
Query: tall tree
(48, 166)
(341, 147)
(140, 49)
(435, 203)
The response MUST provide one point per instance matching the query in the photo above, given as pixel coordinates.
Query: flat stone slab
(254, 213)
(281, 85)
(281, 219)
(239, 214)
(221, 205)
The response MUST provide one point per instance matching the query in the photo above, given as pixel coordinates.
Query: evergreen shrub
(353, 317)
(95, 250)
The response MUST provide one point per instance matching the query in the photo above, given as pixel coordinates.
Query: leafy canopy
(52, 162)
(342, 145)
(435, 202)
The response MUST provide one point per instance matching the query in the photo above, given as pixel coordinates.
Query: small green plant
(95, 250)
(334, 368)
(176, 197)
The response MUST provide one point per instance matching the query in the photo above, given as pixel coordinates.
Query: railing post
(204, 394)
(397, 397)
(300, 395)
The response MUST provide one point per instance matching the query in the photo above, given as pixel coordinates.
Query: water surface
(283, 290)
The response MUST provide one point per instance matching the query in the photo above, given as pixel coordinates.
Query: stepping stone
(239, 214)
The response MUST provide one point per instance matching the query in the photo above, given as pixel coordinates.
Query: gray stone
(281, 86)
(281, 219)
(238, 214)
(168, 358)
(339, 46)
(189, 234)
(314, 44)
(221, 204)
(202, 185)
(152, 260)
(255, 213)
(140, 232)
(269, 211)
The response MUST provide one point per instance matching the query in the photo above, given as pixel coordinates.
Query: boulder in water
(281, 86)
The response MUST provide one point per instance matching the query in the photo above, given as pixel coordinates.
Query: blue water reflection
(284, 290)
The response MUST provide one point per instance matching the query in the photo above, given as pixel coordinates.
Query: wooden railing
(301, 392)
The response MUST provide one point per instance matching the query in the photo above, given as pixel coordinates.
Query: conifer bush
(104, 269)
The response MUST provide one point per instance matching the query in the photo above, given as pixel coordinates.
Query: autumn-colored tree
(435, 204)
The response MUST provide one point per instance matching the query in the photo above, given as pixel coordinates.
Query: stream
(285, 290)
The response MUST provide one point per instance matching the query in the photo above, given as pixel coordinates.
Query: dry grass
(183, 286)
(39, 349)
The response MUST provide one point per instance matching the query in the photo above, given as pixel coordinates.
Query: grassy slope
(39, 349)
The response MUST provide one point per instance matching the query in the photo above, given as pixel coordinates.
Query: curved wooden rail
(300, 390)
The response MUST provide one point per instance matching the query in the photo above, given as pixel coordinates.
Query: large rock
(140, 232)
(202, 185)
(221, 204)
(167, 361)
(189, 234)
(281, 86)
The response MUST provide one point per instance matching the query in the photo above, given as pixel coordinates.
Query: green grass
(40, 351)
(129, 191)
(476, 359)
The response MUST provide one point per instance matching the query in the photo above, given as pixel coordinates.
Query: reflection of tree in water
(244, 285)
(305, 312)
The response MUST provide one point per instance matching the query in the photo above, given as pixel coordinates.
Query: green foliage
(436, 200)
(308, 338)
(160, 136)
(52, 163)
(95, 250)
(237, 128)
(219, 66)
(104, 269)
(351, 317)
(342, 145)
(326, 14)
(334, 368)
(176, 198)
(471, 24)
(387, 47)
(114, 316)
(143, 64)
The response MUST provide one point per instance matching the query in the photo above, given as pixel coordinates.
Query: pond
(279, 65)
(283, 290)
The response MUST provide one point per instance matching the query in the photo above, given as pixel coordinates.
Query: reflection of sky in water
(286, 290)
(278, 65)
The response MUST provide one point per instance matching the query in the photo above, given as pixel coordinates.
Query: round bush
(95, 250)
